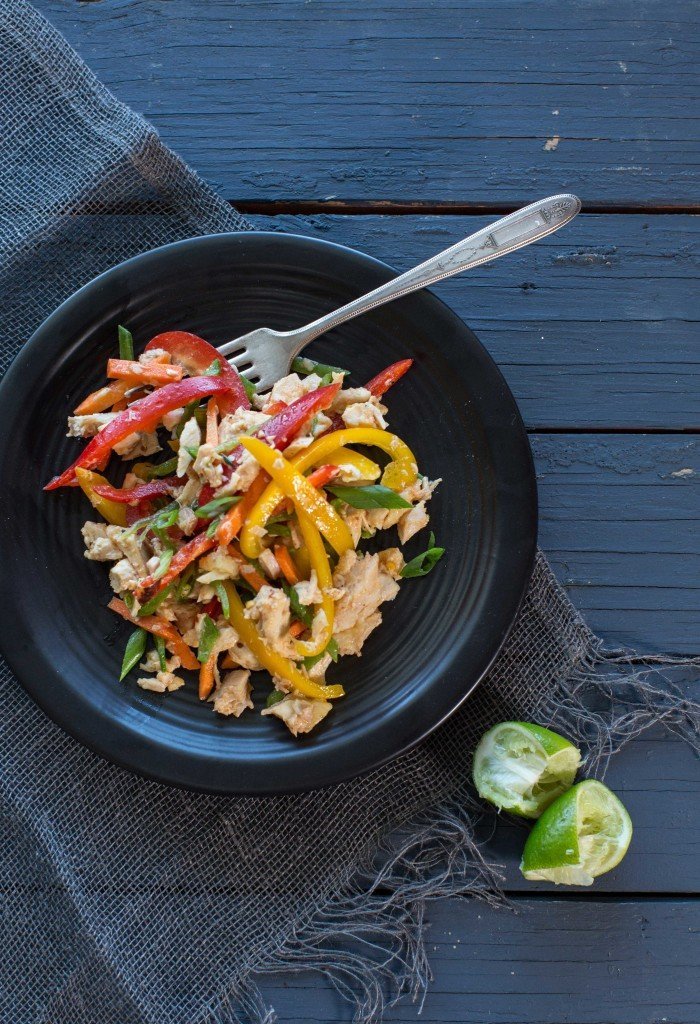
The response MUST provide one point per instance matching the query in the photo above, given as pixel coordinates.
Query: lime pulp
(583, 834)
(523, 768)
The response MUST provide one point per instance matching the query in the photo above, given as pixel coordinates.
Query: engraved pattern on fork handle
(534, 221)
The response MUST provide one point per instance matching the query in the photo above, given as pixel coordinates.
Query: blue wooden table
(398, 127)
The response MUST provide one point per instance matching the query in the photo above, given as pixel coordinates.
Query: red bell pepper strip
(159, 626)
(144, 415)
(197, 355)
(135, 495)
(282, 428)
(187, 554)
(384, 380)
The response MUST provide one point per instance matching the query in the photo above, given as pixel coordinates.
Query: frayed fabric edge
(368, 939)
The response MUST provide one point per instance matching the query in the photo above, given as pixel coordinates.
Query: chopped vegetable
(423, 563)
(144, 415)
(159, 627)
(233, 520)
(304, 495)
(207, 677)
(187, 554)
(135, 495)
(103, 398)
(320, 564)
(135, 647)
(304, 367)
(126, 343)
(284, 560)
(146, 471)
(250, 389)
(216, 506)
(159, 644)
(380, 384)
(197, 357)
(208, 637)
(109, 510)
(275, 664)
(400, 473)
(369, 496)
(143, 373)
(223, 597)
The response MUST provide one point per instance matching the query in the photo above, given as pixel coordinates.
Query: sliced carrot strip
(103, 398)
(206, 677)
(187, 554)
(296, 628)
(233, 520)
(284, 560)
(144, 373)
(212, 435)
(159, 627)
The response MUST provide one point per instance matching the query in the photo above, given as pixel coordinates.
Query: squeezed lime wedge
(522, 768)
(583, 834)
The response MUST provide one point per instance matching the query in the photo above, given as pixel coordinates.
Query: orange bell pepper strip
(144, 373)
(275, 663)
(144, 415)
(103, 398)
(159, 626)
(307, 498)
(233, 520)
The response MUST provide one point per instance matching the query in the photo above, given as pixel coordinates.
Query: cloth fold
(132, 903)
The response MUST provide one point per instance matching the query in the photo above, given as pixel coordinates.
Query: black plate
(439, 636)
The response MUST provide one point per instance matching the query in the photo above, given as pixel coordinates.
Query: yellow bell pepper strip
(319, 562)
(401, 472)
(276, 664)
(305, 496)
(110, 510)
(346, 459)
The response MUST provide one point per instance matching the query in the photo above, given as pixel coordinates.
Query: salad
(234, 536)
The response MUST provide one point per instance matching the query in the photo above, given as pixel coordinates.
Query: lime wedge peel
(583, 834)
(523, 768)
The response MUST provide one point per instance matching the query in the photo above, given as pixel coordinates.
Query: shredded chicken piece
(244, 657)
(190, 491)
(232, 695)
(308, 591)
(218, 565)
(241, 478)
(89, 424)
(101, 542)
(208, 465)
(271, 611)
(349, 396)
(299, 714)
(154, 355)
(243, 421)
(365, 414)
(365, 585)
(289, 388)
(415, 519)
(190, 437)
(123, 576)
(172, 418)
(270, 564)
(187, 520)
(392, 561)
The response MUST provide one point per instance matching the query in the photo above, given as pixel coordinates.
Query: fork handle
(505, 235)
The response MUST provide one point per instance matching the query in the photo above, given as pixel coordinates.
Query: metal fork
(265, 355)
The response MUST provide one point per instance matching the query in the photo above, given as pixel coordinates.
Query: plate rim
(110, 752)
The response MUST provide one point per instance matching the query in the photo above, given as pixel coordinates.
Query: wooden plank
(594, 327)
(557, 961)
(470, 100)
(619, 522)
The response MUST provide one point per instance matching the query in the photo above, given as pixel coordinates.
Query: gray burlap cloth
(127, 902)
